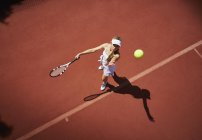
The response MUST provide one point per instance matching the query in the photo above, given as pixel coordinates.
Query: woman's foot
(103, 86)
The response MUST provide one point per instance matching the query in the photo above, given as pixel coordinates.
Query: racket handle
(73, 60)
(65, 65)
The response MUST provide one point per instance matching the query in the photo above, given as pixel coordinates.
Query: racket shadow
(93, 96)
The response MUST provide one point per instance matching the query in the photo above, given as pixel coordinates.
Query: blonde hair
(117, 37)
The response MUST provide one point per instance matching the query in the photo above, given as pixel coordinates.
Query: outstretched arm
(91, 50)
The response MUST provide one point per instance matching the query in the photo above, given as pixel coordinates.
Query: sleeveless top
(104, 57)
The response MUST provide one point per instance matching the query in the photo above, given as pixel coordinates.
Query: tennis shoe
(103, 86)
(101, 67)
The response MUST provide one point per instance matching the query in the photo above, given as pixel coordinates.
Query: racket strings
(58, 71)
(61, 69)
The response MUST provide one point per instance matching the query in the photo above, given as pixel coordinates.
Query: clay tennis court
(157, 97)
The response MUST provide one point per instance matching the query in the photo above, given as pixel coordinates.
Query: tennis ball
(138, 53)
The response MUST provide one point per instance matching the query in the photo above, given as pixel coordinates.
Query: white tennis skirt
(109, 70)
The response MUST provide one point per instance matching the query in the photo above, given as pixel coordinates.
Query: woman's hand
(111, 63)
(78, 56)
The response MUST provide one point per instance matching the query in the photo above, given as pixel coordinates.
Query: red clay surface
(48, 33)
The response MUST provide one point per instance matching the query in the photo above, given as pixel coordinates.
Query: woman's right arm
(91, 50)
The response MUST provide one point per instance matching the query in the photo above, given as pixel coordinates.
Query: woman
(108, 58)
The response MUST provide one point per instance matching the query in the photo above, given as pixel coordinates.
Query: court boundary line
(78, 108)
(197, 52)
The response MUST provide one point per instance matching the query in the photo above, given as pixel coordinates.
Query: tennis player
(108, 58)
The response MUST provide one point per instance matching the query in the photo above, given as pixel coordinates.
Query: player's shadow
(5, 129)
(125, 87)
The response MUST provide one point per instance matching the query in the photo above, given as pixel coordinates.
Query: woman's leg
(107, 71)
(104, 83)
(104, 78)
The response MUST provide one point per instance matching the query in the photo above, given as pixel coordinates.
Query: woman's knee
(104, 77)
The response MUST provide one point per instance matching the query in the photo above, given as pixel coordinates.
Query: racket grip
(73, 60)
(65, 65)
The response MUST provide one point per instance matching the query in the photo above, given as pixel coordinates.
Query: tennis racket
(61, 69)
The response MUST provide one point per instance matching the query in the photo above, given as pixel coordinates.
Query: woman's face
(115, 47)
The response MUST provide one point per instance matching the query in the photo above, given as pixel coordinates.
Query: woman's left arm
(114, 59)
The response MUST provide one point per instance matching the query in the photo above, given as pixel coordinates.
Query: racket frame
(64, 65)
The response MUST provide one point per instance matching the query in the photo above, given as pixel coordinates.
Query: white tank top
(104, 57)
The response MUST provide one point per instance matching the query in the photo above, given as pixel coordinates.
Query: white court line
(198, 53)
(86, 104)
(67, 119)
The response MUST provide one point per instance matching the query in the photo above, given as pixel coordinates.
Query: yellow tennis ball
(138, 53)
